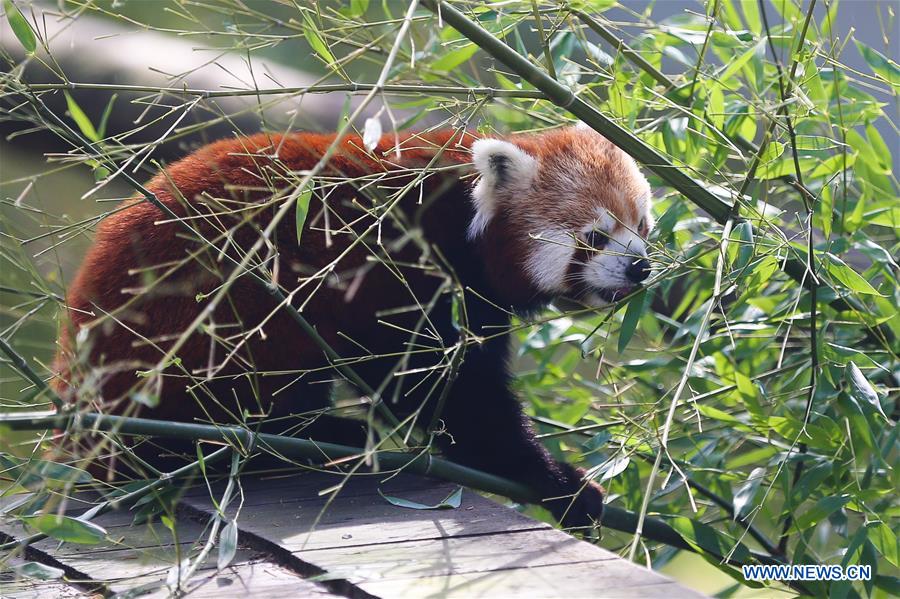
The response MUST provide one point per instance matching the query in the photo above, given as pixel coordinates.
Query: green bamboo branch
(290, 447)
(565, 98)
(786, 88)
(619, 44)
(22, 366)
(324, 88)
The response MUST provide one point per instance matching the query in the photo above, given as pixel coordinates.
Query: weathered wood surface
(296, 541)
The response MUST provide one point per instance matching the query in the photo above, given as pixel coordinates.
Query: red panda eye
(642, 226)
(596, 239)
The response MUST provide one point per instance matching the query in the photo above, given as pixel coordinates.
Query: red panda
(513, 223)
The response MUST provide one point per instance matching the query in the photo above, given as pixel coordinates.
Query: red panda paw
(581, 510)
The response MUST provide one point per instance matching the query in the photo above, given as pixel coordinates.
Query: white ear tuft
(504, 168)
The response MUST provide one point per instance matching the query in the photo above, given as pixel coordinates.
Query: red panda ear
(504, 169)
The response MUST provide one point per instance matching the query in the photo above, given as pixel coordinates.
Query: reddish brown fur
(131, 239)
(139, 285)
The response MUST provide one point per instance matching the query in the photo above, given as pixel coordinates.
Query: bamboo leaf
(66, 528)
(716, 106)
(851, 279)
(881, 65)
(316, 41)
(633, 312)
(743, 497)
(609, 469)
(861, 390)
(885, 541)
(358, 8)
(81, 119)
(20, 26)
(454, 58)
(707, 539)
(301, 210)
(738, 63)
(823, 508)
(32, 473)
(743, 235)
(38, 571)
(228, 539)
(104, 119)
(451, 501)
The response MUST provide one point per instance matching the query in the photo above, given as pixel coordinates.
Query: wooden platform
(294, 542)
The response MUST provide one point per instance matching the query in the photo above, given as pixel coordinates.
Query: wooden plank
(608, 579)
(143, 557)
(12, 585)
(479, 549)
(395, 569)
(260, 579)
(306, 485)
(36, 589)
(457, 555)
(362, 543)
(366, 519)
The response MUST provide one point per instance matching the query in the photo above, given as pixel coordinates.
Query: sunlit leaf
(81, 119)
(301, 210)
(38, 571)
(66, 528)
(851, 279)
(315, 40)
(20, 26)
(451, 501)
(861, 389)
(716, 106)
(454, 58)
(741, 61)
(743, 497)
(610, 469)
(881, 64)
(228, 539)
(358, 8)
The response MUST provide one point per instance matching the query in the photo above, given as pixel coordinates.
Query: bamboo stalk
(563, 97)
(290, 447)
(22, 366)
(324, 88)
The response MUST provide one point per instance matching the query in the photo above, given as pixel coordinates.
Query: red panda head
(570, 208)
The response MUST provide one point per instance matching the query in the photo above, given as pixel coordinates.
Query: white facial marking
(549, 261)
(504, 169)
(606, 269)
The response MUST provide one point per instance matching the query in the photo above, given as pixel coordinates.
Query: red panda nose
(638, 270)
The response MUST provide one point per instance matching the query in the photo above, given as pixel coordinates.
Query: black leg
(486, 429)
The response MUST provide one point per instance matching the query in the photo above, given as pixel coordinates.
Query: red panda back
(144, 281)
